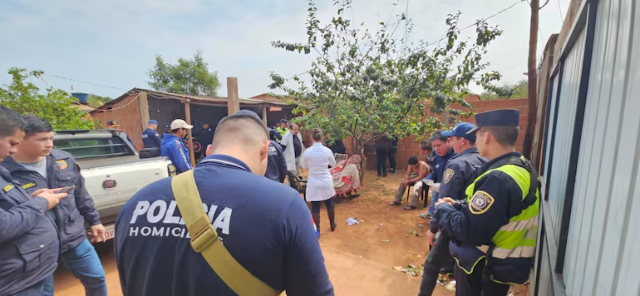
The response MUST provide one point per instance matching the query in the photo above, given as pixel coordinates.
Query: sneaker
(426, 215)
(392, 171)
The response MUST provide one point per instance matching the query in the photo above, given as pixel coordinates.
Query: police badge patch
(62, 164)
(480, 202)
(448, 174)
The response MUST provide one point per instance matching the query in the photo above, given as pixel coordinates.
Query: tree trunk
(533, 80)
(357, 148)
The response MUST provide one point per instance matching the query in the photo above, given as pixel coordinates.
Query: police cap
(502, 117)
(462, 131)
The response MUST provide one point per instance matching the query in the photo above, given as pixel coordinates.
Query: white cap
(179, 123)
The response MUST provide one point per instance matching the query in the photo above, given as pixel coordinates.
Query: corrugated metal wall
(602, 228)
(604, 238)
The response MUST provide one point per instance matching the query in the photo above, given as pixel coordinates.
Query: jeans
(434, 200)
(438, 257)
(84, 263)
(39, 289)
(392, 158)
(381, 160)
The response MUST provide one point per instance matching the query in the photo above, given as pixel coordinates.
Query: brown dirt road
(359, 258)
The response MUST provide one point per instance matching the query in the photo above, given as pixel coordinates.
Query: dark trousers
(315, 205)
(438, 257)
(474, 285)
(381, 160)
(392, 158)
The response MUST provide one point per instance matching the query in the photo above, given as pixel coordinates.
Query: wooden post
(143, 104)
(264, 114)
(233, 102)
(187, 115)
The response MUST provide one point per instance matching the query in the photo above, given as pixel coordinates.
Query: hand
(448, 200)
(405, 183)
(44, 190)
(52, 198)
(99, 233)
(430, 237)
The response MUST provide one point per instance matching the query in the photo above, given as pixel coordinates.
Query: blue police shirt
(151, 139)
(265, 225)
(439, 164)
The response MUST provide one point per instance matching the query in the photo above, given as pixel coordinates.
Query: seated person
(346, 176)
(416, 171)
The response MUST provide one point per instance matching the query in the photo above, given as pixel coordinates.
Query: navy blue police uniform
(494, 231)
(265, 226)
(151, 138)
(276, 166)
(29, 245)
(458, 173)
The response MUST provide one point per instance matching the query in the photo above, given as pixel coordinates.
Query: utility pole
(533, 79)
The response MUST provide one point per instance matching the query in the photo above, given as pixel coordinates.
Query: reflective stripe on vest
(517, 239)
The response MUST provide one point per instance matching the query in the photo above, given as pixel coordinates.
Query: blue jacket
(277, 166)
(72, 212)
(151, 139)
(439, 163)
(174, 149)
(29, 245)
(265, 226)
(460, 171)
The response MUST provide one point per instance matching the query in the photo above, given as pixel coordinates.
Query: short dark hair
(35, 125)
(505, 135)
(243, 128)
(437, 135)
(10, 122)
(175, 130)
(316, 134)
(413, 160)
(426, 145)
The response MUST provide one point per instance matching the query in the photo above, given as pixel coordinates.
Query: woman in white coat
(317, 160)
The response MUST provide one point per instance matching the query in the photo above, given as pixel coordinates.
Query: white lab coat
(320, 183)
(289, 152)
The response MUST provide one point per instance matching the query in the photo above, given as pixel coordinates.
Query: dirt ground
(360, 259)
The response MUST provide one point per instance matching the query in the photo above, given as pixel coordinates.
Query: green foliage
(514, 91)
(55, 105)
(364, 81)
(97, 100)
(186, 77)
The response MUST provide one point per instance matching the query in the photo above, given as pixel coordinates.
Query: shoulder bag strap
(204, 240)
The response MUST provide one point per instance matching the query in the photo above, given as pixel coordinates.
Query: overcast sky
(113, 43)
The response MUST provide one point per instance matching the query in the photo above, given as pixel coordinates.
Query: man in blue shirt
(265, 226)
(443, 154)
(173, 147)
(150, 137)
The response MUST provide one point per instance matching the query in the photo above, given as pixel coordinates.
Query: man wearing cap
(282, 128)
(458, 174)
(113, 124)
(173, 147)
(271, 234)
(494, 231)
(150, 137)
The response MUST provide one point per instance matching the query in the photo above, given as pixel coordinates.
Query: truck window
(93, 148)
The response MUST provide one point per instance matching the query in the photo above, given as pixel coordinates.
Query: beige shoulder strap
(204, 240)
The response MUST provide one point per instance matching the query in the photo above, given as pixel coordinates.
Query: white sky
(114, 43)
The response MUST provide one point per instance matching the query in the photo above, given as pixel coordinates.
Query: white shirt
(317, 159)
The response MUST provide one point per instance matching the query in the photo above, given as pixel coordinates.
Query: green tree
(507, 91)
(186, 77)
(97, 100)
(364, 82)
(55, 105)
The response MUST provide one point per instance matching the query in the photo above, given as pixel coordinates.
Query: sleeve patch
(448, 174)
(480, 202)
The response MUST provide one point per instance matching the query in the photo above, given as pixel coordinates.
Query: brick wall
(410, 146)
(127, 113)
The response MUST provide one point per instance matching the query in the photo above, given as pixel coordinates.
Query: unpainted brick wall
(127, 113)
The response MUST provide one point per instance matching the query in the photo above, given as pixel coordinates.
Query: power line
(85, 82)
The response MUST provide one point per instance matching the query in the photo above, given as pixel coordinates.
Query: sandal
(394, 203)
(410, 208)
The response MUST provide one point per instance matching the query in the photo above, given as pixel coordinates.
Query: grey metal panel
(563, 132)
(552, 112)
(604, 237)
(546, 271)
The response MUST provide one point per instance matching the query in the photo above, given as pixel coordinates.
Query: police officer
(494, 231)
(458, 174)
(442, 152)
(29, 245)
(150, 137)
(282, 128)
(36, 165)
(265, 226)
(113, 124)
(277, 166)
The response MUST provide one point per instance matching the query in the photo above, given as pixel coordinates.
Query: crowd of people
(176, 236)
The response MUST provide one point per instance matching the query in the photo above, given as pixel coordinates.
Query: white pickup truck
(112, 168)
